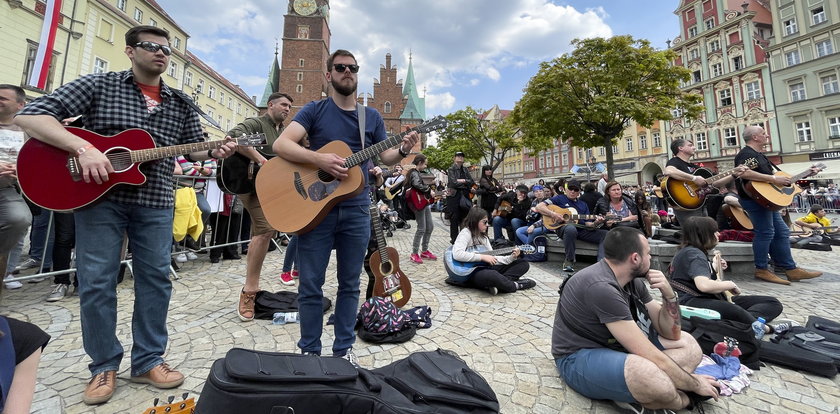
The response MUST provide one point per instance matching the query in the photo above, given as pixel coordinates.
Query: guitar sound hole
(120, 159)
(325, 176)
(386, 268)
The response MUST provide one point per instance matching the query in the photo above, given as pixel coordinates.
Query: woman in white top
(501, 273)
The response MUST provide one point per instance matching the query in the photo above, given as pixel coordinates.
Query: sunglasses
(340, 68)
(154, 47)
(574, 189)
(484, 222)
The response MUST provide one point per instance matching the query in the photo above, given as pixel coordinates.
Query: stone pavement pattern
(506, 338)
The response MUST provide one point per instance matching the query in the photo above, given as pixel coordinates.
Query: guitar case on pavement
(814, 348)
(274, 382)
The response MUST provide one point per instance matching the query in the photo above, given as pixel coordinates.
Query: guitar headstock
(251, 140)
(526, 248)
(186, 406)
(438, 122)
(820, 166)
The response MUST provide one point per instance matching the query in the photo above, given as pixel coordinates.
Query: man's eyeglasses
(340, 68)
(154, 47)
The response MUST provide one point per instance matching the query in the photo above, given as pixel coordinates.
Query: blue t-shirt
(325, 122)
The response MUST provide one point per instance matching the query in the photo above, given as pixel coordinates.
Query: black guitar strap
(187, 100)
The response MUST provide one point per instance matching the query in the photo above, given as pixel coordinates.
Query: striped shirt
(111, 103)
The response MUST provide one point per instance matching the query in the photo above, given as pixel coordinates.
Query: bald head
(751, 131)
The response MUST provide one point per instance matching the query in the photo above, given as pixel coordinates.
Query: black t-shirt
(688, 263)
(26, 338)
(764, 166)
(683, 166)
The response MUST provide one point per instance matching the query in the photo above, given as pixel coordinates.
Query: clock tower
(306, 45)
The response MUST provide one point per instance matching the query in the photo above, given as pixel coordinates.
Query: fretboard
(381, 244)
(173, 151)
(375, 149)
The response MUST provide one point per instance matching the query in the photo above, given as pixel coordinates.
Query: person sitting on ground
(510, 211)
(501, 273)
(612, 341)
(21, 345)
(695, 277)
(815, 221)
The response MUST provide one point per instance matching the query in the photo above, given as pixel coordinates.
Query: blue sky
(466, 52)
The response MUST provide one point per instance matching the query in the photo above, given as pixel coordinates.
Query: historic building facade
(306, 48)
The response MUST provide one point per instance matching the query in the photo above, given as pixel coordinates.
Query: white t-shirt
(11, 139)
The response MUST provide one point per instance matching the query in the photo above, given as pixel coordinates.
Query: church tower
(306, 48)
(398, 101)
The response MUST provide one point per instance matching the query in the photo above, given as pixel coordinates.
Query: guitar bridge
(690, 190)
(299, 185)
(74, 168)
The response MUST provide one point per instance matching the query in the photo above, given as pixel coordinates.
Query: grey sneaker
(567, 267)
(29, 263)
(59, 292)
(350, 356)
(781, 327)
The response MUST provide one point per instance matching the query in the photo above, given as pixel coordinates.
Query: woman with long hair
(694, 276)
(645, 212)
(488, 188)
(500, 273)
(425, 225)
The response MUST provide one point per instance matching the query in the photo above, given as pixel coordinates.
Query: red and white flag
(41, 69)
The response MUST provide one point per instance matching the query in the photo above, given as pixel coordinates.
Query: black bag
(271, 382)
(789, 356)
(540, 255)
(709, 332)
(822, 342)
(398, 337)
(267, 303)
(823, 324)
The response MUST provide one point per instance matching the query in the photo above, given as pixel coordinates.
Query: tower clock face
(305, 7)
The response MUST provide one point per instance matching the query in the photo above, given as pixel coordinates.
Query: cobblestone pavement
(506, 338)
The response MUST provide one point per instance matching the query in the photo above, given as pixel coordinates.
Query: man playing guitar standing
(112, 102)
(279, 106)
(772, 235)
(347, 226)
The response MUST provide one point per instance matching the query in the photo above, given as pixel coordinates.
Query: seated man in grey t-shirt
(612, 341)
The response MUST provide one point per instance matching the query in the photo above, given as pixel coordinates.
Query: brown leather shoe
(245, 310)
(100, 388)
(161, 376)
(769, 276)
(797, 274)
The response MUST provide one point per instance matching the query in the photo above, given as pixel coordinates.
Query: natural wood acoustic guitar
(187, 406)
(389, 280)
(738, 218)
(690, 196)
(295, 197)
(776, 197)
(570, 216)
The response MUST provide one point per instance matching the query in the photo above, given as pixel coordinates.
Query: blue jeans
(40, 241)
(291, 255)
(772, 236)
(525, 238)
(99, 237)
(500, 222)
(570, 234)
(347, 229)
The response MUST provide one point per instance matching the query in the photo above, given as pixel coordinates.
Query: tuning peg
(156, 401)
(171, 398)
(184, 395)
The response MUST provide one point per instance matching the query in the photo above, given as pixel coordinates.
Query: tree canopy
(481, 141)
(587, 97)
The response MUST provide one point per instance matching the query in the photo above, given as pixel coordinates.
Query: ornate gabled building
(722, 43)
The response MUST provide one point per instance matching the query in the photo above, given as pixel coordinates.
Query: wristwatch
(400, 150)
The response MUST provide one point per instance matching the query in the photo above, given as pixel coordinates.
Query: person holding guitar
(346, 227)
(616, 203)
(271, 124)
(502, 273)
(771, 234)
(509, 212)
(816, 222)
(699, 285)
(113, 102)
(459, 184)
(425, 226)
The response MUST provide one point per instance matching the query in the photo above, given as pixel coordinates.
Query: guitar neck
(375, 149)
(378, 233)
(499, 252)
(800, 176)
(720, 176)
(173, 151)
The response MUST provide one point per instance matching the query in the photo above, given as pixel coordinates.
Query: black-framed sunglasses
(340, 68)
(154, 47)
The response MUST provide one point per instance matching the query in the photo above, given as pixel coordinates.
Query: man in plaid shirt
(113, 102)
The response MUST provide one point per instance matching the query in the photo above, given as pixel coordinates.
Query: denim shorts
(596, 373)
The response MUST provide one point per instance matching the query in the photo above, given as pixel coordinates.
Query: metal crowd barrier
(802, 202)
(210, 192)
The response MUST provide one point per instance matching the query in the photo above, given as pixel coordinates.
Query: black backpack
(540, 255)
(268, 303)
(709, 332)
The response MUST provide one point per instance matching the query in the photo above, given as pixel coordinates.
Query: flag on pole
(41, 68)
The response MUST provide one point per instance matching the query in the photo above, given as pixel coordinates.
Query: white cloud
(440, 102)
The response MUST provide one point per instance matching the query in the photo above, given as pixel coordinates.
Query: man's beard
(341, 88)
(639, 273)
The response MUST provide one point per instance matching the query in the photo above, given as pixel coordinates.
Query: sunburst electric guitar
(295, 197)
(389, 280)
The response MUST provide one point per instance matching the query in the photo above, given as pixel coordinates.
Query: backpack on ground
(266, 304)
(540, 255)
(709, 332)
(381, 322)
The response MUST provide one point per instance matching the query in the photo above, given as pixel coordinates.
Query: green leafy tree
(588, 96)
(481, 141)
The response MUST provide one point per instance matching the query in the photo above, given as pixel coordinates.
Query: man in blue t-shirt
(347, 226)
(573, 229)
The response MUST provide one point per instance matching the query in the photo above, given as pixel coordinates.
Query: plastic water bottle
(758, 328)
(282, 318)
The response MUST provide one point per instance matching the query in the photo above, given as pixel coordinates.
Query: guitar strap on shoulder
(195, 107)
(360, 109)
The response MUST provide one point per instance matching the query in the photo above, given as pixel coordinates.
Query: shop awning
(832, 172)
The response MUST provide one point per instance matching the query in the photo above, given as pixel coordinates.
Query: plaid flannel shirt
(111, 103)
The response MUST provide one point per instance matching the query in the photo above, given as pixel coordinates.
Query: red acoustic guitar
(52, 178)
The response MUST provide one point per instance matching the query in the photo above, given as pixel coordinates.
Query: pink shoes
(416, 258)
(428, 255)
(287, 279)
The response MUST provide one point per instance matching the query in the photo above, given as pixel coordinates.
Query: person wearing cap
(460, 183)
(573, 230)
(534, 227)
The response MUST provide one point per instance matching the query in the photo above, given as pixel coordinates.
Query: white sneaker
(192, 256)
(181, 258)
(12, 285)
(28, 264)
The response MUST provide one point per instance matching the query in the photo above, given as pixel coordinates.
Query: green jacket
(257, 125)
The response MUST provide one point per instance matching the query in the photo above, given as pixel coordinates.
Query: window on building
(138, 15)
(792, 57)
(643, 141)
(176, 43)
(834, 127)
(657, 140)
(565, 157)
(730, 137)
(629, 143)
(717, 69)
(121, 4)
(602, 151)
(580, 154)
(818, 15)
(829, 84)
(692, 31)
(693, 54)
(173, 69)
(701, 143)
(239, 107)
(803, 131)
(753, 90)
(99, 66)
(152, 22)
(210, 113)
(824, 48)
(29, 66)
(790, 26)
(697, 75)
(106, 30)
(230, 102)
(714, 45)
(737, 63)
(211, 93)
(301, 62)
(229, 124)
(387, 107)
(299, 88)
(615, 149)
(797, 91)
(221, 97)
(300, 76)
(200, 87)
(725, 97)
(710, 23)
(188, 78)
